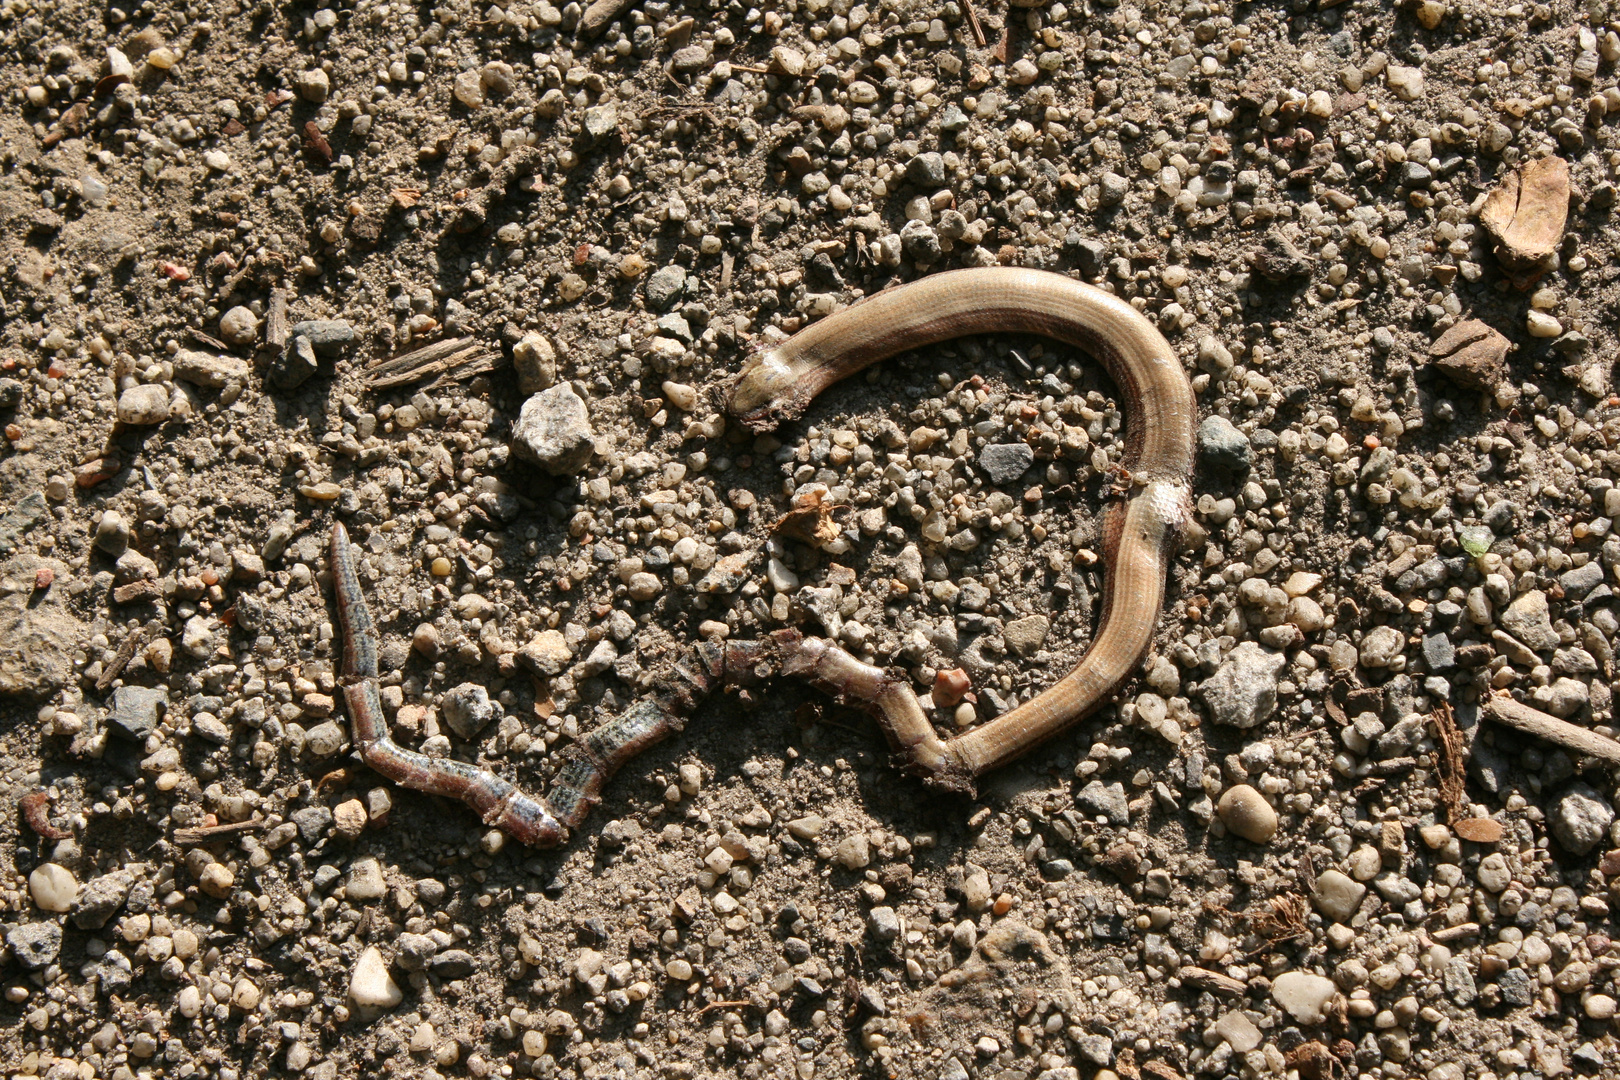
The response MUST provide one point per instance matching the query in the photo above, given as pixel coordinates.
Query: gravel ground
(1294, 847)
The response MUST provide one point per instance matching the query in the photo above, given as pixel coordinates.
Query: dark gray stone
(415, 951)
(36, 944)
(1104, 800)
(952, 119)
(1415, 175)
(926, 170)
(452, 964)
(665, 286)
(1222, 446)
(1056, 869)
(295, 366)
(136, 711)
(1425, 575)
(1004, 463)
(113, 973)
(1438, 652)
(313, 822)
(920, 242)
(1514, 985)
(1578, 582)
(1090, 254)
(1500, 517)
(1458, 979)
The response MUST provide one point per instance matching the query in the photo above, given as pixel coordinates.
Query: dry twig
(1504, 710)
(197, 834)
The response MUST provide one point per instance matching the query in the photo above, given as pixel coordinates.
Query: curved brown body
(1139, 533)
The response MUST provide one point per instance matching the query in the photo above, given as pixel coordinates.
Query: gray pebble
(136, 711)
(294, 366)
(601, 123)
(1243, 690)
(328, 337)
(35, 945)
(926, 170)
(1104, 800)
(665, 286)
(554, 431)
(101, 897)
(884, 923)
(1004, 463)
(1580, 819)
(1222, 446)
(468, 709)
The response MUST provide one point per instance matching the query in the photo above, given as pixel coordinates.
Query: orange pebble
(950, 687)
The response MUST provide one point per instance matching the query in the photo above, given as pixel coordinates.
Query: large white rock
(1304, 996)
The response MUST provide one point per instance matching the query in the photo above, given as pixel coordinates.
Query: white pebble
(53, 887)
(371, 984)
(1542, 325)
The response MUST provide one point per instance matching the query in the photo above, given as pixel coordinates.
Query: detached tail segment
(497, 801)
(587, 765)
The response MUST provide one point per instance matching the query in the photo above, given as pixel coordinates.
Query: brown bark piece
(811, 518)
(1478, 830)
(452, 359)
(1525, 214)
(1472, 355)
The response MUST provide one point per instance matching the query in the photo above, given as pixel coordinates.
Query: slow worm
(1139, 534)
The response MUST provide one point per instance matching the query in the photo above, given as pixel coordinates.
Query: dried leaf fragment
(1473, 355)
(811, 518)
(1525, 214)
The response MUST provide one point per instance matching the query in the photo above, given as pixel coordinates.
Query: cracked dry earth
(1296, 845)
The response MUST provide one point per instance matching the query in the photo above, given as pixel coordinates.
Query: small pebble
(239, 326)
(53, 887)
(371, 985)
(1247, 814)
